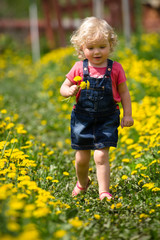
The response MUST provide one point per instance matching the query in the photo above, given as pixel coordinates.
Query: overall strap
(109, 68)
(85, 68)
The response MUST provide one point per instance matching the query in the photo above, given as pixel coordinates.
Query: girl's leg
(82, 167)
(101, 158)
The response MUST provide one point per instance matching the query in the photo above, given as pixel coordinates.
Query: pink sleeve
(118, 76)
(76, 70)
(121, 77)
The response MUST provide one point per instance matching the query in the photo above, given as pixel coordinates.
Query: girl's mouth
(97, 57)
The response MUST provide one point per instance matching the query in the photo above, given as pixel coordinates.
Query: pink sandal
(74, 193)
(103, 195)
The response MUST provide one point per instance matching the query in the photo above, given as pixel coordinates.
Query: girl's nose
(96, 50)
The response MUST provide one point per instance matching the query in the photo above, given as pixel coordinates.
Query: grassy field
(37, 172)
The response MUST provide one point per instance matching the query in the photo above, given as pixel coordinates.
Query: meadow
(37, 173)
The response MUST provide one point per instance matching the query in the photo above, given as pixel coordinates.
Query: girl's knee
(101, 156)
(82, 157)
(81, 161)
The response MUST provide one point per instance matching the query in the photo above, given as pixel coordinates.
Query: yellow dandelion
(154, 161)
(14, 140)
(9, 126)
(126, 160)
(15, 117)
(112, 206)
(129, 141)
(88, 84)
(49, 178)
(11, 175)
(83, 85)
(50, 153)
(148, 185)
(139, 165)
(143, 215)
(118, 205)
(60, 233)
(20, 129)
(7, 119)
(77, 79)
(124, 177)
(145, 176)
(16, 204)
(13, 226)
(65, 106)
(156, 189)
(66, 173)
(134, 172)
(151, 211)
(143, 168)
(55, 181)
(3, 111)
(138, 155)
(75, 222)
(50, 93)
(97, 216)
(58, 212)
(43, 122)
(68, 141)
(41, 212)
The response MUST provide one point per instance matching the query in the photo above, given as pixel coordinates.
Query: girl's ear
(110, 45)
(82, 49)
(82, 46)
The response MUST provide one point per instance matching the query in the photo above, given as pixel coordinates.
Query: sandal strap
(106, 193)
(81, 188)
(74, 193)
(84, 188)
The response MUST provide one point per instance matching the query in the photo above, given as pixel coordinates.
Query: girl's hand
(127, 121)
(73, 90)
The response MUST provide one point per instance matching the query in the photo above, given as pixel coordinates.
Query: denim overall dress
(95, 117)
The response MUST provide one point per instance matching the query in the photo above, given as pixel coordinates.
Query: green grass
(37, 172)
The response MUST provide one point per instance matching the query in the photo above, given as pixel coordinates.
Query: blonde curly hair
(90, 30)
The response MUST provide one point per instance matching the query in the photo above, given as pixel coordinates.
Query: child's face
(97, 52)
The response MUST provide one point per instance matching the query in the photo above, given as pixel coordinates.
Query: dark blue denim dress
(95, 117)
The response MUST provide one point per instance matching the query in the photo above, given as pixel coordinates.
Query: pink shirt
(117, 75)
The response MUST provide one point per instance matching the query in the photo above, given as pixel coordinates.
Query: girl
(95, 116)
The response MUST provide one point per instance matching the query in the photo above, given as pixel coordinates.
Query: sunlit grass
(37, 164)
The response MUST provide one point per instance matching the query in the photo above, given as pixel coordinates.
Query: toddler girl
(95, 116)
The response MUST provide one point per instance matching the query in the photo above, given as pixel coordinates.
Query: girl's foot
(103, 195)
(77, 190)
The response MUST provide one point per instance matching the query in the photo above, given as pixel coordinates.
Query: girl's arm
(68, 89)
(127, 120)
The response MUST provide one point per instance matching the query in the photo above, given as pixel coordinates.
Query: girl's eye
(102, 47)
(90, 48)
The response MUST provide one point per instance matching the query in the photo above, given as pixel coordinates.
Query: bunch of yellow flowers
(83, 84)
